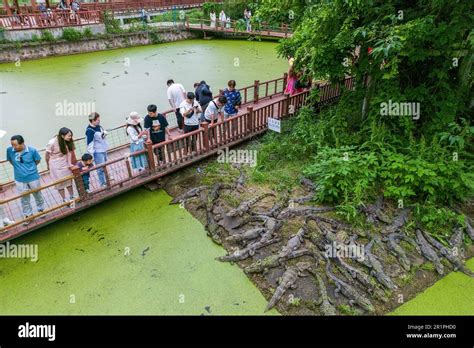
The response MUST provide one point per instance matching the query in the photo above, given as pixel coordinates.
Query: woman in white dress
(213, 18)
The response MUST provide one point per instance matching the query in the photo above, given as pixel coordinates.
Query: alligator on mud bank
(279, 241)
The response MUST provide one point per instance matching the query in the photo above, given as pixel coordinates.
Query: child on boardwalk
(84, 165)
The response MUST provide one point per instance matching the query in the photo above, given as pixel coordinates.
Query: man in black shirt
(157, 125)
(203, 95)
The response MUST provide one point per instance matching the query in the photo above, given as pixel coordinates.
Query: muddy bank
(304, 259)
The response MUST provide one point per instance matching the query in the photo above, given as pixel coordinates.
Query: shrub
(46, 35)
(70, 34)
(88, 33)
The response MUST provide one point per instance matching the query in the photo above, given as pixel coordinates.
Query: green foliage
(70, 34)
(46, 35)
(112, 26)
(34, 38)
(87, 33)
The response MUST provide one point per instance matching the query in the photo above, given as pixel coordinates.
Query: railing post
(151, 156)
(255, 91)
(285, 80)
(81, 190)
(287, 106)
(205, 138)
(250, 122)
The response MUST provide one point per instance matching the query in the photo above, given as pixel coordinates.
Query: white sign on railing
(274, 124)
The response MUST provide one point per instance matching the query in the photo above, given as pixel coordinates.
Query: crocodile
(189, 194)
(377, 269)
(273, 261)
(374, 211)
(240, 182)
(308, 184)
(213, 228)
(449, 255)
(302, 210)
(273, 212)
(325, 306)
(249, 250)
(287, 281)
(456, 239)
(335, 224)
(397, 250)
(399, 221)
(293, 244)
(271, 224)
(244, 207)
(349, 291)
(247, 235)
(469, 228)
(302, 199)
(214, 195)
(428, 252)
(266, 239)
(363, 278)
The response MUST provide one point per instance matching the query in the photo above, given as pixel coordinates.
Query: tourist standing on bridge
(234, 100)
(190, 109)
(176, 95)
(156, 125)
(213, 18)
(248, 17)
(25, 160)
(222, 18)
(60, 157)
(203, 95)
(97, 145)
(137, 141)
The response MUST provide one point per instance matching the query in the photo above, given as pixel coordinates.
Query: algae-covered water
(34, 94)
(135, 254)
(452, 295)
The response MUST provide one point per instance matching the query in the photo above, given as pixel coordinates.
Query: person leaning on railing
(234, 100)
(97, 145)
(25, 160)
(137, 141)
(60, 157)
(157, 127)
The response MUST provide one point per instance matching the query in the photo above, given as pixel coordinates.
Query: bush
(46, 35)
(87, 33)
(70, 34)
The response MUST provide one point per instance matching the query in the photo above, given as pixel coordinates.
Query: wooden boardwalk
(261, 101)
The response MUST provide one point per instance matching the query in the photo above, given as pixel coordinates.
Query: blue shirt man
(24, 160)
(24, 163)
(234, 100)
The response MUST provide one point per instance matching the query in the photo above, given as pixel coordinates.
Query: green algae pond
(135, 254)
(452, 295)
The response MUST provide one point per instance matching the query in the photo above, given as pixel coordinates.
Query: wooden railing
(119, 6)
(238, 27)
(52, 19)
(117, 138)
(164, 158)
